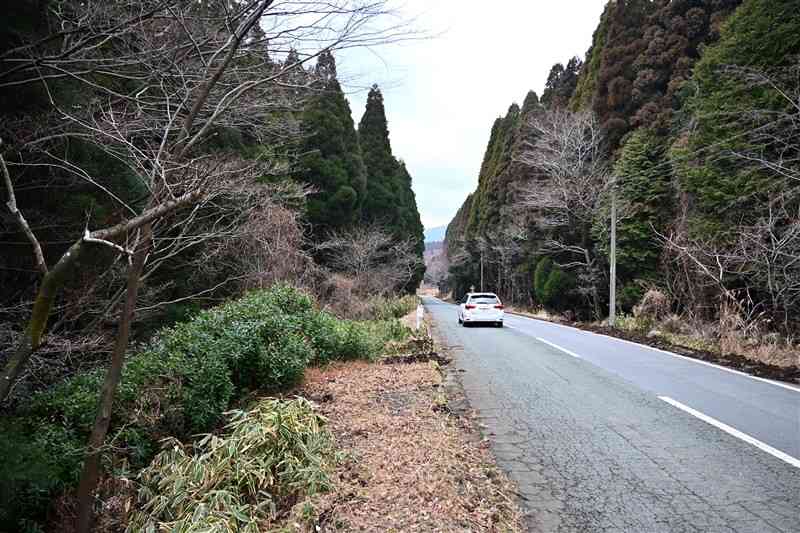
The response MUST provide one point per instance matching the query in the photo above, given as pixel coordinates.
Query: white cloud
(442, 95)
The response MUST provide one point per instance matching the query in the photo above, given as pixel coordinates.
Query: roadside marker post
(420, 314)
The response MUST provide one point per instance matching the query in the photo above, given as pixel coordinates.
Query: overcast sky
(442, 95)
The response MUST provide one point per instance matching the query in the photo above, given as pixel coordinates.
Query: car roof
(481, 294)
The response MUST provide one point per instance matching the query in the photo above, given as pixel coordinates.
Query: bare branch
(41, 265)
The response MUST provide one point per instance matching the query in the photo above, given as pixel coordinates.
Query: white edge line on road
(733, 431)
(557, 347)
(685, 358)
(706, 363)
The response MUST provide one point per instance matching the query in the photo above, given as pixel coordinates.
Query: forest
(682, 121)
(190, 214)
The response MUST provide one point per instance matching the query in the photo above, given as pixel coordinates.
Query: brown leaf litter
(404, 463)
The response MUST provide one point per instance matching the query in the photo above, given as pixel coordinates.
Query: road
(605, 435)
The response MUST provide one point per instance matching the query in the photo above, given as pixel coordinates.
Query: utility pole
(482, 269)
(612, 297)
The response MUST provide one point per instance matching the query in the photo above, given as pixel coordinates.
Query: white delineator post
(420, 315)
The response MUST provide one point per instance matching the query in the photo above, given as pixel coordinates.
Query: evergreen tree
(762, 35)
(332, 162)
(410, 224)
(530, 104)
(612, 99)
(587, 79)
(492, 182)
(382, 167)
(561, 84)
(390, 199)
(643, 187)
(675, 35)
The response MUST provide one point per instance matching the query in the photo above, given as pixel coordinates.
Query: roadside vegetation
(730, 336)
(268, 459)
(178, 385)
(191, 218)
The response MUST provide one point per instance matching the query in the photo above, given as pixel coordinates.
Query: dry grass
(717, 339)
(720, 339)
(772, 352)
(541, 314)
(404, 465)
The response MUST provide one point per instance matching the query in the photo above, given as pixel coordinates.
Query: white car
(481, 308)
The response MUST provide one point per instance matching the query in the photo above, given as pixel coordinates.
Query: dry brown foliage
(407, 467)
(655, 305)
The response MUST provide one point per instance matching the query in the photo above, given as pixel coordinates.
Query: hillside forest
(159, 160)
(682, 119)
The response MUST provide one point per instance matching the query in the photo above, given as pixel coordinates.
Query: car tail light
(498, 306)
(469, 306)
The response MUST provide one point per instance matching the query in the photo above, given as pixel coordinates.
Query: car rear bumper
(483, 318)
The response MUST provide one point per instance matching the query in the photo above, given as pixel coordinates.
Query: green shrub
(360, 341)
(556, 290)
(161, 393)
(343, 340)
(271, 457)
(540, 277)
(181, 383)
(377, 334)
(325, 333)
(392, 307)
(629, 295)
(552, 286)
(38, 460)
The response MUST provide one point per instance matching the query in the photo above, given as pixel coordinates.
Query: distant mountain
(435, 234)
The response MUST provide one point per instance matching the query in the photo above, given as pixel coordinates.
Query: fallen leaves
(405, 465)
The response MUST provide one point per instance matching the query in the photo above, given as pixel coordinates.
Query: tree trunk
(91, 466)
(48, 290)
(56, 277)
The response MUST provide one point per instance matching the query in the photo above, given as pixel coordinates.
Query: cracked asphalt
(592, 447)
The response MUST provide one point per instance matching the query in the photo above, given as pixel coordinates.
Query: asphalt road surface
(605, 435)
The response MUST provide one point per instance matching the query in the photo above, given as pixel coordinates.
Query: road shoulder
(408, 460)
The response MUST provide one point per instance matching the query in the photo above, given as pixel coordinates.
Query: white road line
(733, 431)
(526, 317)
(706, 363)
(557, 347)
(685, 358)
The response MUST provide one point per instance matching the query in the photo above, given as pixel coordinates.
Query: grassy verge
(374, 448)
(177, 386)
(269, 459)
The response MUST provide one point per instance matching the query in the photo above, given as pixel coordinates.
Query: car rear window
(489, 299)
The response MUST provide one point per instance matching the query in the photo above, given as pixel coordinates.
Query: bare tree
(758, 273)
(755, 267)
(268, 247)
(568, 155)
(506, 246)
(767, 253)
(773, 134)
(372, 257)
